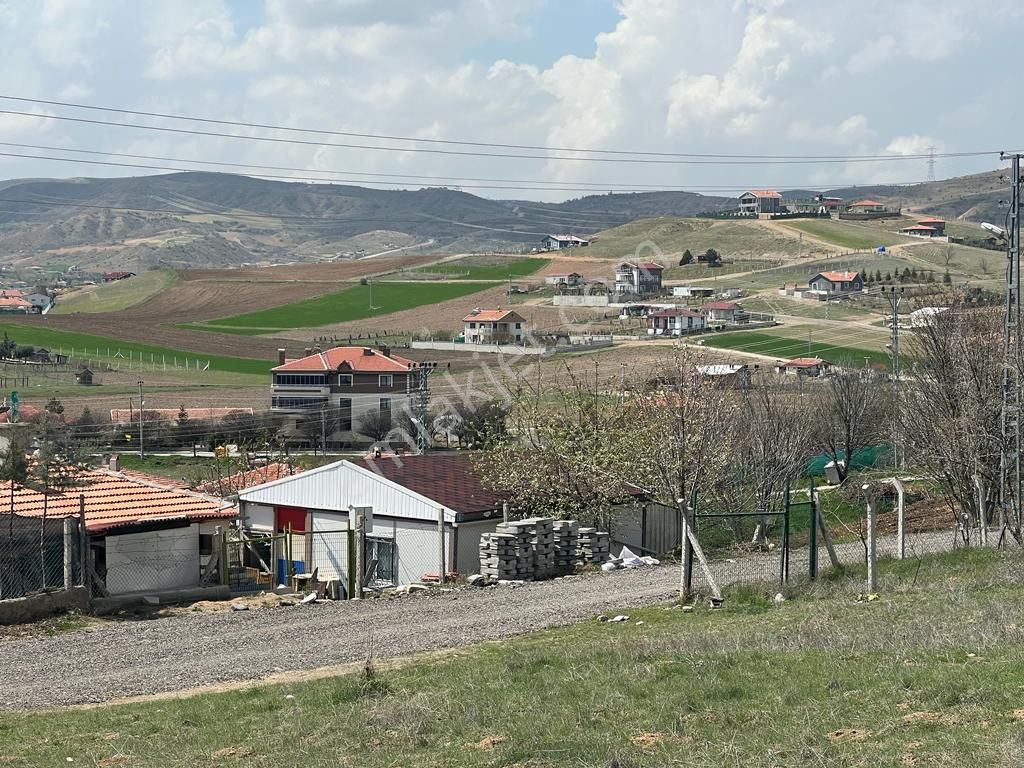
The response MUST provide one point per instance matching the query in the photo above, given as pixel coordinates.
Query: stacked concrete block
(499, 555)
(566, 538)
(542, 543)
(594, 546)
(524, 550)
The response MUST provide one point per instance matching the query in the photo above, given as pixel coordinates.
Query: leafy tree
(182, 418)
(947, 279)
(375, 425)
(686, 258)
(8, 347)
(712, 258)
(479, 426)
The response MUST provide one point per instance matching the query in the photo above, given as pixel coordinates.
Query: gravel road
(193, 649)
(188, 650)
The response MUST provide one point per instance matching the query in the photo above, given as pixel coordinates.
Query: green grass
(112, 297)
(514, 269)
(787, 347)
(836, 310)
(344, 306)
(102, 348)
(846, 234)
(926, 675)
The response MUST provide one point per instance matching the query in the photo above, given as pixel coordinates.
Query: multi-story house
(494, 326)
(346, 384)
(760, 201)
(640, 279)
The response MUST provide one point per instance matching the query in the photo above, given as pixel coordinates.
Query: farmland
(112, 297)
(846, 234)
(355, 303)
(798, 341)
(470, 270)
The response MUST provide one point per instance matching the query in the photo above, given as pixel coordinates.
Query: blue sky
(736, 77)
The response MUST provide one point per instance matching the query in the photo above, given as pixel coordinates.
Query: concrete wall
(22, 610)
(569, 300)
(153, 561)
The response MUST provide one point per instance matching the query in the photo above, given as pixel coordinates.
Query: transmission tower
(1009, 421)
(931, 163)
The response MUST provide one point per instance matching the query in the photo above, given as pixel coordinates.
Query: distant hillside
(211, 219)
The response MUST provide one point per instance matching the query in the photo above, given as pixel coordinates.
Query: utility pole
(895, 297)
(421, 405)
(323, 431)
(142, 410)
(1009, 421)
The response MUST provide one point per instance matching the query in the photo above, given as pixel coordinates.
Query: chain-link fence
(39, 554)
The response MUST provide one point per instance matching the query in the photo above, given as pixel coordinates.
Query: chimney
(115, 463)
(386, 351)
(367, 352)
(280, 357)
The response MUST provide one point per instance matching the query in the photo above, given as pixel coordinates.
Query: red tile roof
(490, 316)
(14, 302)
(128, 415)
(226, 486)
(931, 221)
(361, 359)
(765, 193)
(721, 305)
(115, 500)
(448, 479)
(838, 277)
(805, 362)
(919, 228)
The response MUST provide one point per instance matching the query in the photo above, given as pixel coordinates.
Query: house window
(385, 410)
(205, 544)
(385, 380)
(299, 380)
(345, 415)
(472, 325)
(519, 326)
(345, 379)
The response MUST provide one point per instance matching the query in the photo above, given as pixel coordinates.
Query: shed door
(290, 516)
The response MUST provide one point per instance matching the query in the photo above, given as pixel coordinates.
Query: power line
(449, 142)
(690, 160)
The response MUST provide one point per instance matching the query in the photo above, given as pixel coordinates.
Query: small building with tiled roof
(834, 282)
(131, 415)
(358, 389)
(558, 242)
(805, 366)
(867, 206)
(722, 311)
(224, 487)
(494, 326)
(677, 321)
(145, 535)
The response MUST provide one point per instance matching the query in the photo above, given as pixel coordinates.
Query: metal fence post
(812, 554)
(872, 555)
(350, 577)
(440, 546)
(360, 553)
(69, 553)
(901, 536)
(784, 564)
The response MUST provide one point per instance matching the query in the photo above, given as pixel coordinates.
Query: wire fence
(39, 554)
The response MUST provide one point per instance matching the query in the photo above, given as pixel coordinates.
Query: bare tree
(950, 406)
(851, 411)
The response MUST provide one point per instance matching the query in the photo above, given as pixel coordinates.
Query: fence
(788, 534)
(39, 554)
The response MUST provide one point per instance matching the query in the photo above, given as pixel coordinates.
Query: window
(385, 404)
(205, 544)
(385, 380)
(345, 415)
(473, 326)
(519, 326)
(292, 403)
(345, 379)
(300, 380)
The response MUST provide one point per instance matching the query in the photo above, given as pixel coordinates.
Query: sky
(694, 77)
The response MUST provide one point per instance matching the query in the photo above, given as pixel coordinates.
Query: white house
(722, 311)
(836, 282)
(639, 278)
(693, 291)
(760, 201)
(494, 326)
(558, 242)
(674, 322)
(406, 496)
(564, 278)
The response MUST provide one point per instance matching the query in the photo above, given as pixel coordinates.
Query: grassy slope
(925, 675)
(846, 234)
(513, 269)
(87, 345)
(343, 306)
(111, 297)
(668, 237)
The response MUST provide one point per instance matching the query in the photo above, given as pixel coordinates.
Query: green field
(846, 234)
(511, 269)
(112, 297)
(925, 675)
(830, 345)
(344, 306)
(84, 345)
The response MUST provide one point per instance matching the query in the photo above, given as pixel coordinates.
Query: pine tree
(878, 275)
(888, 277)
(905, 277)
